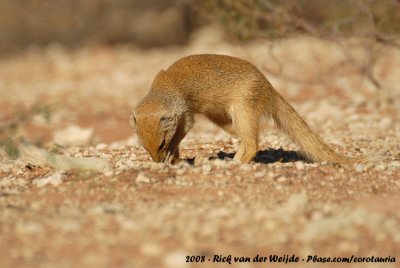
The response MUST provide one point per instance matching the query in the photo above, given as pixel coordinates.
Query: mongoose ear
(168, 122)
(132, 120)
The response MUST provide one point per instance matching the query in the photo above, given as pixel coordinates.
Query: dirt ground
(132, 212)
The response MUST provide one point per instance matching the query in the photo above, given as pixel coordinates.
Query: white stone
(381, 167)
(395, 164)
(5, 182)
(219, 163)
(299, 165)
(360, 167)
(109, 173)
(73, 136)
(54, 179)
(101, 146)
(69, 225)
(385, 123)
(206, 169)
(4, 167)
(180, 171)
(259, 174)
(142, 178)
(281, 179)
(245, 167)
(29, 228)
(176, 259)
(151, 249)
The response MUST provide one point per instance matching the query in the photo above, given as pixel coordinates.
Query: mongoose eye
(167, 122)
(166, 119)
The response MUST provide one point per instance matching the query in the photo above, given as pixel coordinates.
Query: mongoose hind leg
(245, 125)
(228, 129)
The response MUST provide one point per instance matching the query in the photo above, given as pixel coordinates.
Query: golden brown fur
(230, 92)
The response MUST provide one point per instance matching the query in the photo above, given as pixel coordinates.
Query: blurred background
(72, 23)
(72, 70)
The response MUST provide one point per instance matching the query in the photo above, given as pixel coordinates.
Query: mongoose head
(156, 123)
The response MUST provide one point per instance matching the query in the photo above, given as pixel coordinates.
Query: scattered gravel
(99, 201)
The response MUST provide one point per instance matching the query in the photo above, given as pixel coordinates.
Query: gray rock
(40, 157)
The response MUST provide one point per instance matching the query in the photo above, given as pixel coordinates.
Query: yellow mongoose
(230, 92)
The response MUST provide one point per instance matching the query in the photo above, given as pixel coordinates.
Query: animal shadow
(269, 156)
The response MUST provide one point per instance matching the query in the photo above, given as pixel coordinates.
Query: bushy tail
(313, 148)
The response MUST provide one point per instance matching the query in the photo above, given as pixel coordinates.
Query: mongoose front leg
(246, 152)
(176, 158)
(245, 125)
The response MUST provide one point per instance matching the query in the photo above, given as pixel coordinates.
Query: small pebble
(259, 174)
(142, 178)
(176, 259)
(206, 169)
(101, 146)
(245, 167)
(281, 179)
(360, 167)
(299, 165)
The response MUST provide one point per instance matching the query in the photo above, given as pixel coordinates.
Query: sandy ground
(131, 212)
